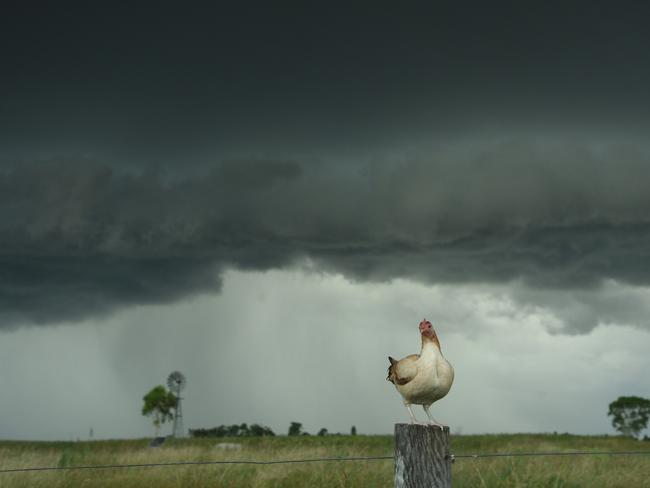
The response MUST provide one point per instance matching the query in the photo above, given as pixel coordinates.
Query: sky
(270, 198)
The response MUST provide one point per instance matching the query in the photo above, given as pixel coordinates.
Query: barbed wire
(450, 457)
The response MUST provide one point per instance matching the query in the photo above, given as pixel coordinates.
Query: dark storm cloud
(79, 238)
(163, 92)
(145, 84)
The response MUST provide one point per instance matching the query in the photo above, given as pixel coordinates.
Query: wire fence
(195, 463)
(451, 458)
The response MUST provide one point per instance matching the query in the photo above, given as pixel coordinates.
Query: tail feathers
(391, 375)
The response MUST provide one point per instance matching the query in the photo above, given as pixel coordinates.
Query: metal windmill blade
(176, 381)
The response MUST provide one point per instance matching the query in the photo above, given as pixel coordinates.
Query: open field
(574, 471)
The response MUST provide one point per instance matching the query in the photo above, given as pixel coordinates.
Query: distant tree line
(255, 430)
(242, 430)
(296, 429)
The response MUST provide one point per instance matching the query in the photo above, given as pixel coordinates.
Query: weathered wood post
(422, 456)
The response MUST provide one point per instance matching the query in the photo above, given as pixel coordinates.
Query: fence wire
(549, 453)
(451, 458)
(195, 463)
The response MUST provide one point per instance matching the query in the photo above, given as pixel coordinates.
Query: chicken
(422, 378)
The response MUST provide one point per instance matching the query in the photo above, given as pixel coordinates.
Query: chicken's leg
(432, 421)
(411, 414)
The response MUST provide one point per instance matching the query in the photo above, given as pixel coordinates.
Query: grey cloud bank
(80, 238)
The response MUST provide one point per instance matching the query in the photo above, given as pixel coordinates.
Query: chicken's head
(425, 326)
(427, 331)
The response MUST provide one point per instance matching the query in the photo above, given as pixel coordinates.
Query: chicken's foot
(432, 421)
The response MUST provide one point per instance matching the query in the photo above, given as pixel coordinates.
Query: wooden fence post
(422, 456)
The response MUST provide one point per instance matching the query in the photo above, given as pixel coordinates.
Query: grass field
(583, 471)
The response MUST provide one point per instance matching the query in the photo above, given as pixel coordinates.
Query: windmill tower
(176, 382)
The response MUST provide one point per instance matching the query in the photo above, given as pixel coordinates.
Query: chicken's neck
(430, 348)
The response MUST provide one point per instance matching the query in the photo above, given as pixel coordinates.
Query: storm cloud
(145, 151)
(80, 238)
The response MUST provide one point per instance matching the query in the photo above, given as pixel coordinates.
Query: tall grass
(583, 471)
(550, 472)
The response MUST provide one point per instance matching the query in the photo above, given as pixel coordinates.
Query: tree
(322, 432)
(159, 404)
(630, 414)
(260, 430)
(353, 430)
(295, 428)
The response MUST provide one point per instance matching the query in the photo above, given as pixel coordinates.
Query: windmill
(176, 382)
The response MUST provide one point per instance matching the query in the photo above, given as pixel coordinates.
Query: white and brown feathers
(424, 378)
(402, 371)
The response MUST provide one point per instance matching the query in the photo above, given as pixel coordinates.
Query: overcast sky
(270, 199)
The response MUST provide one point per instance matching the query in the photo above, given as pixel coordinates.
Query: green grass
(542, 472)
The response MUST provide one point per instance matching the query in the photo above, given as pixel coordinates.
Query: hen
(422, 378)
